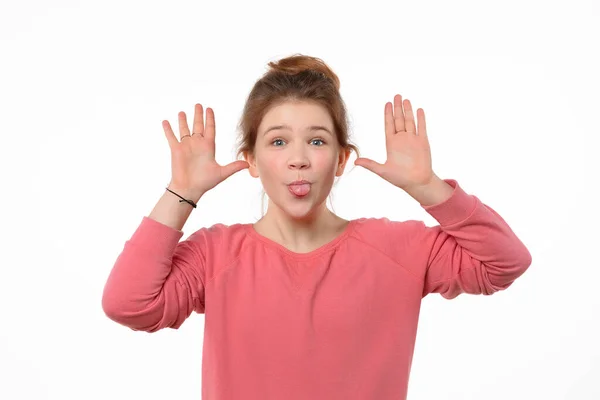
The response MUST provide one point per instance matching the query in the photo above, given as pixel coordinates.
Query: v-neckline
(301, 256)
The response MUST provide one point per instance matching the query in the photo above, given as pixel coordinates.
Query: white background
(510, 93)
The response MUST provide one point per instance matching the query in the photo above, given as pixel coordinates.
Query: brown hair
(295, 78)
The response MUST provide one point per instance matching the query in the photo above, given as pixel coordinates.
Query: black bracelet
(188, 201)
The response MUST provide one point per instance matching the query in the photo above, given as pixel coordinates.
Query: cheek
(270, 166)
(269, 169)
(325, 164)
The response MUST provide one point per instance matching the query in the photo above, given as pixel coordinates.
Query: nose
(298, 163)
(298, 158)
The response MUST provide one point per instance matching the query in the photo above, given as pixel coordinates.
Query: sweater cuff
(456, 208)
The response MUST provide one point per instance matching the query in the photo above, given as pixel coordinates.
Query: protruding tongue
(301, 189)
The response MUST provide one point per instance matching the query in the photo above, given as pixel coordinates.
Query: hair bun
(298, 63)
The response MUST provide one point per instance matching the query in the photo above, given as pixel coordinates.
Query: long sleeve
(473, 250)
(156, 282)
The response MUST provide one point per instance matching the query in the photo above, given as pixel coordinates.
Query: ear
(342, 160)
(250, 159)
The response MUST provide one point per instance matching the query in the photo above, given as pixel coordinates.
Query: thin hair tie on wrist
(188, 201)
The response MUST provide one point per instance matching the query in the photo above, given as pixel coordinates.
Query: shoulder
(389, 236)
(383, 227)
(219, 245)
(219, 232)
(399, 240)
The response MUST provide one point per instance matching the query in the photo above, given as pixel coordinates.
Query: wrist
(187, 193)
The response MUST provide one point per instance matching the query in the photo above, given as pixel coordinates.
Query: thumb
(369, 164)
(234, 167)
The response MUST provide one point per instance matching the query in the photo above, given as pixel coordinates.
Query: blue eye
(279, 140)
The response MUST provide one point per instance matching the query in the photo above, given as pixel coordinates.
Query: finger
(169, 133)
(409, 117)
(233, 167)
(198, 127)
(183, 126)
(210, 130)
(389, 119)
(398, 114)
(371, 165)
(422, 128)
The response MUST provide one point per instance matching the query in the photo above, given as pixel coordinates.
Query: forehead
(297, 115)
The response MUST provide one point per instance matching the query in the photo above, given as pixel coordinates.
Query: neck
(299, 233)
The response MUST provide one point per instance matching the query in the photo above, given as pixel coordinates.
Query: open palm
(408, 161)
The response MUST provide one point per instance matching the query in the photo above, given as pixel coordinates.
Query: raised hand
(408, 163)
(194, 170)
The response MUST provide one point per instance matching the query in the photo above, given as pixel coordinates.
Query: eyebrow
(310, 128)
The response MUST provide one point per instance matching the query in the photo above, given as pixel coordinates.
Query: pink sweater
(337, 323)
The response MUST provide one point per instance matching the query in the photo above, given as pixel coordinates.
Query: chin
(298, 211)
(302, 209)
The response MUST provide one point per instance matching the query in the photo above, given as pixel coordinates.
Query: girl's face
(296, 141)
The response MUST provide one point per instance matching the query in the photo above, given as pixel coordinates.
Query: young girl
(304, 304)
